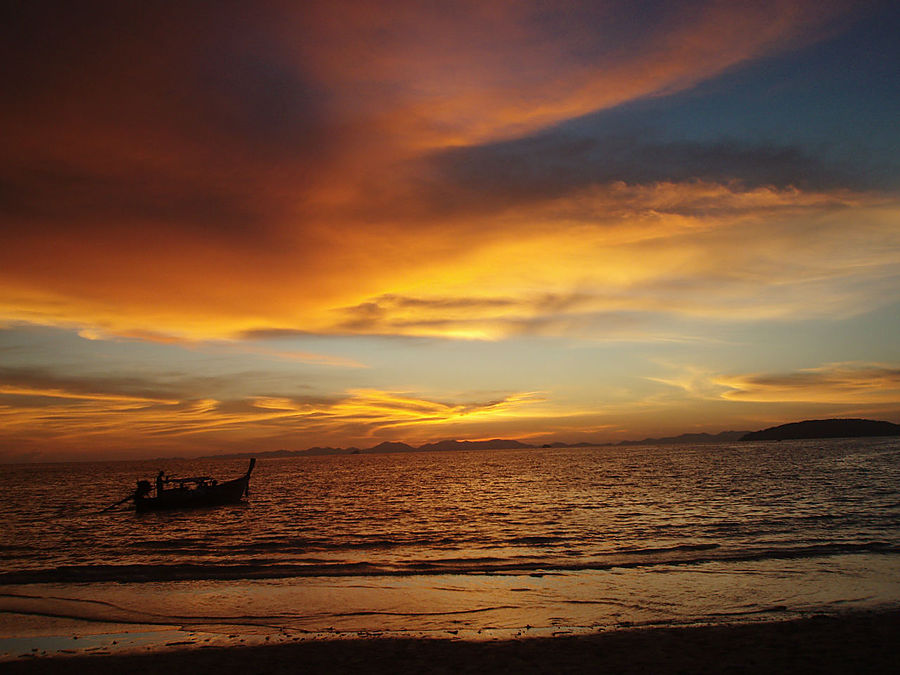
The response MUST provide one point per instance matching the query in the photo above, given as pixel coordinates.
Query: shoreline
(45, 621)
(861, 641)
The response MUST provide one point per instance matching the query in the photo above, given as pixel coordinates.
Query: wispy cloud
(493, 178)
(72, 412)
(837, 383)
(696, 250)
(850, 383)
(40, 382)
(247, 343)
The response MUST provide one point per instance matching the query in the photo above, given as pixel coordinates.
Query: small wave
(674, 556)
(454, 612)
(301, 546)
(181, 572)
(666, 549)
(167, 544)
(14, 548)
(535, 541)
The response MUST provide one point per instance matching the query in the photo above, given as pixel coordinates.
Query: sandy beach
(861, 642)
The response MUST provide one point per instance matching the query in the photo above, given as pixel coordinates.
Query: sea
(481, 544)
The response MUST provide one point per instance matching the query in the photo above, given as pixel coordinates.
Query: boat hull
(228, 492)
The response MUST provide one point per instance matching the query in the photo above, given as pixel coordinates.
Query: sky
(260, 225)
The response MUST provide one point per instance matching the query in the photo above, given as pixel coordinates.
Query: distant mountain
(284, 453)
(323, 451)
(389, 446)
(834, 428)
(386, 447)
(721, 437)
(809, 429)
(494, 444)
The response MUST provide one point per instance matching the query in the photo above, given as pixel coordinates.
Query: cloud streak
(532, 170)
(850, 383)
(834, 383)
(39, 411)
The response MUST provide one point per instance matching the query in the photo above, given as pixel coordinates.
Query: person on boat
(159, 483)
(143, 489)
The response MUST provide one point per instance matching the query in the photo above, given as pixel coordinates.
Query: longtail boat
(181, 493)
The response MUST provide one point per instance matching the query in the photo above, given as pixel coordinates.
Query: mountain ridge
(833, 428)
(830, 428)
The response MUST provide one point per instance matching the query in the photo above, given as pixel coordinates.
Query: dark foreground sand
(857, 644)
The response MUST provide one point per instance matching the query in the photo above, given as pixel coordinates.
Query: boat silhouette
(194, 491)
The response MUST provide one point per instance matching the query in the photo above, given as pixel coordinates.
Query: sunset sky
(257, 225)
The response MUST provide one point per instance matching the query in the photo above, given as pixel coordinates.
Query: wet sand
(861, 643)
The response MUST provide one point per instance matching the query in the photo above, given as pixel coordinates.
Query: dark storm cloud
(187, 114)
(556, 164)
(266, 105)
(57, 195)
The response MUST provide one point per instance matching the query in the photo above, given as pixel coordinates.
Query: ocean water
(473, 543)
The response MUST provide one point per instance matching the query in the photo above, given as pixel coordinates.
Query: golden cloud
(568, 266)
(270, 177)
(835, 383)
(74, 420)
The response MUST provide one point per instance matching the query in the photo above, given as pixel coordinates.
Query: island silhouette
(830, 428)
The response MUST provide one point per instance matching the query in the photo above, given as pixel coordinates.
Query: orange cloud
(75, 415)
(452, 75)
(266, 174)
(693, 249)
(593, 264)
(835, 383)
